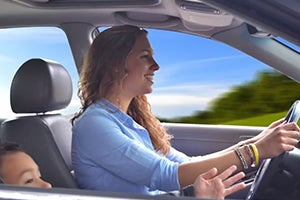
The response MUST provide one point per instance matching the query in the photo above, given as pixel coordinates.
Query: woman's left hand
(210, 186)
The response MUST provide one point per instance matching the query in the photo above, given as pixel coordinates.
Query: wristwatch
(187, 191)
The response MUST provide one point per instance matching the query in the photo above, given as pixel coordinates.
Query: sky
(193, 70)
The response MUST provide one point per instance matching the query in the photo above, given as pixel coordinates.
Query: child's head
(18, 168)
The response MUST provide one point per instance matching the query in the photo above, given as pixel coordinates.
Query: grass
(263, 120)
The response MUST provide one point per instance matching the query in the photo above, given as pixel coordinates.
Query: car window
(194, 73)
(199, 81)
(21, 44)
(204, 81)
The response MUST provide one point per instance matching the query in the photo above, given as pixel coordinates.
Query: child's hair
(7, 148)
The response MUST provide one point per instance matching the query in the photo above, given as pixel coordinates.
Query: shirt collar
(114, 110)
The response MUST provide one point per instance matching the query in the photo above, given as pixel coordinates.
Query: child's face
(18, 168)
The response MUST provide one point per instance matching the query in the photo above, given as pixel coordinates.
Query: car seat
(38, 87)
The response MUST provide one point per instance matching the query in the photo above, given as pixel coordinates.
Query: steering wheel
(278, 177)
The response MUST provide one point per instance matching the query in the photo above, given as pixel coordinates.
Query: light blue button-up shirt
(111, 152)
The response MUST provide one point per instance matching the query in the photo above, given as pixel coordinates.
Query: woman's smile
(149, 77)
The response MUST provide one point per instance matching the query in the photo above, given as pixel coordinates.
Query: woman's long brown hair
(108, 54)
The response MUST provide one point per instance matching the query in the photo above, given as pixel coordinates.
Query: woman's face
(18, 168)
(140, 66)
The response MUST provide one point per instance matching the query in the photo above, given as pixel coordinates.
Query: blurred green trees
(270, 92)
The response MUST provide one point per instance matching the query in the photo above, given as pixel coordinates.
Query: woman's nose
(154, 66)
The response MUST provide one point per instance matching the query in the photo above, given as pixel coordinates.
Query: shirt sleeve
(177, 156)
(100, 139)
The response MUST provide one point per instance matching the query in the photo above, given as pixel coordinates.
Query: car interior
(42, 87)
(40, 133)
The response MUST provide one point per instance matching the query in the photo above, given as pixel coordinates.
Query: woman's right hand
(277, 138)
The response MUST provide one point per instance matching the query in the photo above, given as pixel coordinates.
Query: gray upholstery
(40, 86)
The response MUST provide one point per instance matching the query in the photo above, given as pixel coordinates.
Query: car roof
(204, 17)
(184, 16)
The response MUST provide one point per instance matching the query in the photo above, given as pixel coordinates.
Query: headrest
(39, 86)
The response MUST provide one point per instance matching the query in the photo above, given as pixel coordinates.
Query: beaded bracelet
(241, 157)
(241, 143)
(256, 154)
(251, 154)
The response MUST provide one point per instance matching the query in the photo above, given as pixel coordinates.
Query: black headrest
(39, 86)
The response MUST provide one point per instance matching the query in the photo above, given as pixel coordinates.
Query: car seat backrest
(38, 87)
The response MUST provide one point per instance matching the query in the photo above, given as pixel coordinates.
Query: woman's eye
(29, 181)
